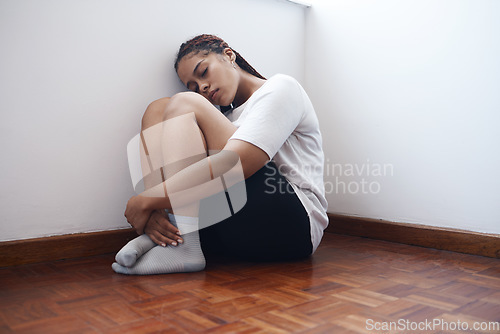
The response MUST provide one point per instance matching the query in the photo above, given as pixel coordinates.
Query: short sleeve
(272, 114)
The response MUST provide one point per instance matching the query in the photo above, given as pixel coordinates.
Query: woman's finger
(167, 228)
(168, 231)
(158, 238)
(154, 238)
(160, 235)
(168, 225)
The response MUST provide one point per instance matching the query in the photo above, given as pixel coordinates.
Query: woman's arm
(239, 160)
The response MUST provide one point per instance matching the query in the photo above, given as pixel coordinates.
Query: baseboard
(88, 244)
(68, 246)
(418, 235)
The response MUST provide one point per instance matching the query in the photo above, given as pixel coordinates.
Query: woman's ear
(228, 52)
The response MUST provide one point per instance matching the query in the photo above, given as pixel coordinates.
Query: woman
(268, 128)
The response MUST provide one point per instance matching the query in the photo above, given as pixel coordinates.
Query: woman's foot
(186, 257)
(134, 249)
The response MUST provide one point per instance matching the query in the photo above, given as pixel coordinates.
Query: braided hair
(210, 43)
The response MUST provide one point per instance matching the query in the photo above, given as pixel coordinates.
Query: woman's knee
(154, 112)
(184, 102)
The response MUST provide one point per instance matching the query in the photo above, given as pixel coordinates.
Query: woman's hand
(161, 231)
(136, 213)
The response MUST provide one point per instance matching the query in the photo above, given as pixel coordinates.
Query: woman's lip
(214, 93)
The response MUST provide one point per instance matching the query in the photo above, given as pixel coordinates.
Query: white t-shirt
(279, 118)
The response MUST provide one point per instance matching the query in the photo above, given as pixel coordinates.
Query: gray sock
(186, 257)
(135, 248)
(128, 255)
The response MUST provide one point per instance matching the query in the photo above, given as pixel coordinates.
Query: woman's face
(211, 75)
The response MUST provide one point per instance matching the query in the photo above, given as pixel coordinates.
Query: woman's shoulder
(282, 83)
(284, 79)
(276, 88)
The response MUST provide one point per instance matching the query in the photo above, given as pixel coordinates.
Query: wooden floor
(350, 285)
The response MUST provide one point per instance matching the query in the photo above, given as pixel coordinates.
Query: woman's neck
(247, 86)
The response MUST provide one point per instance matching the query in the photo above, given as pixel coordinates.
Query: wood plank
(71, 246)
(323, 294)
(61, 247)
(455, 240)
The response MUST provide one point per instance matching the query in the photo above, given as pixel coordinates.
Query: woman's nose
(204, 87)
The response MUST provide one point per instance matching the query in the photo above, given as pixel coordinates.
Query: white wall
(75, 79)
(408, 84)
(414, 85)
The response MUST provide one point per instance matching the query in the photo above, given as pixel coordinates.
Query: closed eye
(204, 72)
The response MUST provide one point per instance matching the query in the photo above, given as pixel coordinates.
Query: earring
(234, 65)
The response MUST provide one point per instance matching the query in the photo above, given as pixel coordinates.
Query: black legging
(272, 226)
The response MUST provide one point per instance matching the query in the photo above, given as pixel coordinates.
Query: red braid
(211, 43)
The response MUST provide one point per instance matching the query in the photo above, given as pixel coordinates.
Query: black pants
(272, 226)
